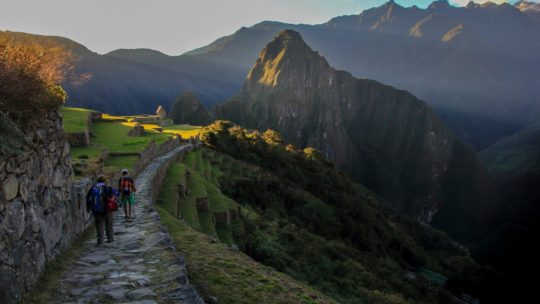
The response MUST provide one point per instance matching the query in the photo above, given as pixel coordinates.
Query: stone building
(161, 113)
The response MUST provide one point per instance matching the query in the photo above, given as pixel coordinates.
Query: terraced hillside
(202, 222)
(109, 145)
(275, 212)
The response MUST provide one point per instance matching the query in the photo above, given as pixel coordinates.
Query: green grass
(230, 275)
(109, 135)
(207, 224)
(113, 136)
(196, 185)
(189, 160)
(214, 268)
(199, 162)
(182, 127)
(218, 201)
(175, 175)
(75, 119)
(115, 162)
(207, 169)
(216, 174)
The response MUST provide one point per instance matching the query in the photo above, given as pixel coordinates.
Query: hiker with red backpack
(126, 187)
(102, 201)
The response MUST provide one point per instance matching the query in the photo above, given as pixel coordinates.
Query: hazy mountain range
(477, 66)
(385, 138)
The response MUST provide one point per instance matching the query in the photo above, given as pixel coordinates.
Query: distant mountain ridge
(132, 81)
(477, 65)
(468, 63)
(531, 9)
(386, 138)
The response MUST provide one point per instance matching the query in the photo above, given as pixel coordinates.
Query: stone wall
(41, 209)
(154, 150)
(81, 139)
(78, 139)
(151, 151)
(157, 181)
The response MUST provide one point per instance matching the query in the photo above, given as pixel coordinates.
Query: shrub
(30, 79)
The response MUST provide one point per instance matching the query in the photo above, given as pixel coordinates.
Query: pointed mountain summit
(440, 4)
(385, 138)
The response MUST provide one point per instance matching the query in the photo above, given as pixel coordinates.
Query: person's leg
(130, 211)
(109, 226)
(132, 202)
(100, 225)
(125, 203)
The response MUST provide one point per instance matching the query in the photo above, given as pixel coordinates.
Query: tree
(30, 79)
(272, 137)
(313, 153)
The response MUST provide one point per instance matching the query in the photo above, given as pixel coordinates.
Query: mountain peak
(439, 4)
(288, 49)
(286, 41)
(289, 35)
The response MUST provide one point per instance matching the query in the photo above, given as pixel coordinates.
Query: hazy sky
(170, 26)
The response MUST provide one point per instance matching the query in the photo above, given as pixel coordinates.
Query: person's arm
(133, 183)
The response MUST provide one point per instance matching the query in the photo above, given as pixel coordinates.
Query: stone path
(140, 266)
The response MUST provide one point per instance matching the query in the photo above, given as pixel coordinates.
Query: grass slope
(75, 119)
(232, 276)
(217, 270)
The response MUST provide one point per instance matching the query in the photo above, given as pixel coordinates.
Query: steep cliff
(41, 209)
(187, 109)
(386, 138)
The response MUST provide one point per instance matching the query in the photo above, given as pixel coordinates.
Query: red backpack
(112, 203)
(126, 185)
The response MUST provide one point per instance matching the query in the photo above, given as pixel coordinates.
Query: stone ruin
(181, 190)
(138, 130)
(96, 116)
(221, 218)
(161, 113)
(202, 203)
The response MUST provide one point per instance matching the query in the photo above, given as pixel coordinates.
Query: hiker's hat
(124, 171)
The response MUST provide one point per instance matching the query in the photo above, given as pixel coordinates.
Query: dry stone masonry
(41, 209)
(138, 130)
(82, 138)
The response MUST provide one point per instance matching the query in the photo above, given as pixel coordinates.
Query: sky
(170, 26)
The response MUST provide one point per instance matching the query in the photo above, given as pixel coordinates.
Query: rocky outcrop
(386, 138)
(41, 209)
(187, 109)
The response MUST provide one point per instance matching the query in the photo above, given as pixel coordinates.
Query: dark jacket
(107, 192)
